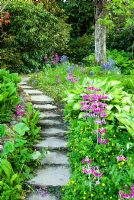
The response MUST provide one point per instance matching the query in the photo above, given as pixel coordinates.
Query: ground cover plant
(105, 147)
(8, 94)
(17, 155)
(101, 141)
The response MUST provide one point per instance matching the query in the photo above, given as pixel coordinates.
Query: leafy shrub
(32, 33)
(8, 94)
(117, 60)
(113, 160)
(18, 143)
(123, 60)
(79, 48)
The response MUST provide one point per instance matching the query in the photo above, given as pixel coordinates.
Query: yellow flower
(85, 193)
(104, 193)
(84, 197)
(112, 145)
(103, 184)
(92, 195)
(122, 163)
(110, 197)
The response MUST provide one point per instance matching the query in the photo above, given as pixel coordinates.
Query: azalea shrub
(101, 141)
(8, 94)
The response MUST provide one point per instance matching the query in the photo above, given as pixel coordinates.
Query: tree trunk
(100, 35)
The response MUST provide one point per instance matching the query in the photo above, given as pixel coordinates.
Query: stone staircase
(54, 172)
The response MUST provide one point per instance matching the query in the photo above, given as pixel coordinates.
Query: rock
(45, 107)
(53, 132)
(55, 158)
(37, 196)
(52, 143)
(26, 87)
(50, 122)
(32, 92)
(40, 99)
(49, 115)
(51, 176)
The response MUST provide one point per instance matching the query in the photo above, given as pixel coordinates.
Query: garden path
(54, 172)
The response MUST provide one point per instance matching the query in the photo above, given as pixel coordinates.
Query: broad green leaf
(36, 155)
(8, 147)
(76, 106)
(21, 128)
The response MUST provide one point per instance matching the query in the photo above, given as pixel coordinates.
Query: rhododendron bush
(31, 33)
(101, 141)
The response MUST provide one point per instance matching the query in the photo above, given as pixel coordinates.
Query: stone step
(51, 176)
(41, 99)
(55, 158)
(50, 122)
(45, 107)
(52, 143)
(36, 196)
(26, 87)
(22, 83)
(53, 132)
(49, 115)
(32, 92)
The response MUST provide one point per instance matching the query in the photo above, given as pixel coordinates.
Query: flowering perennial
(91, 170)
(94, 106)
(70, 77)
(20, 110)
(122, 195)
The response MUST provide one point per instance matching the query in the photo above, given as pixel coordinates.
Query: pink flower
(126, 196)
(1, 147)
(86, 160)
(132, 187)
(97, 182)
(121, 158)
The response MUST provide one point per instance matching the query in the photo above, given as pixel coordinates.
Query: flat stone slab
(53, 132)
(39, 197)
(50, 122)
(26, 87)
(32, 92)
(51, 176)
(46, 107)
(52, 143)
(23, 83)
(49, 115)
(55, 158)
(40, 99)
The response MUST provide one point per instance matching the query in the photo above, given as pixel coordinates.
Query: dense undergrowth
(18, 157)
(100, 148)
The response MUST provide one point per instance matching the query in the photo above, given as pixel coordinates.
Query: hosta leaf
(77, 106)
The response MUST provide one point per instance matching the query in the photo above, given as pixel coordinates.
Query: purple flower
(1, 147)
(63, 59)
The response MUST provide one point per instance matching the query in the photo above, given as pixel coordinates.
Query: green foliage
(18, 143)
(50, 77)
(8, 94)
(79, 48)
(82, 143)
(120, 60)
(123, 61)
(80, 15)
(32, 33)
